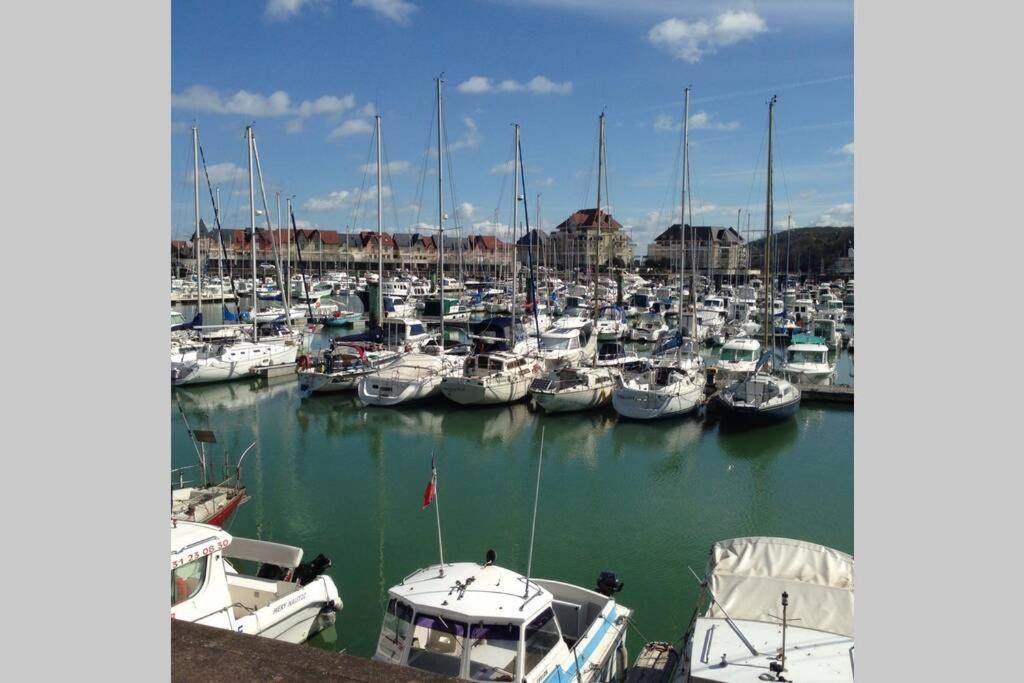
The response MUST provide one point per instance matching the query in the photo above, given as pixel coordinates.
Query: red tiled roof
(586, 219)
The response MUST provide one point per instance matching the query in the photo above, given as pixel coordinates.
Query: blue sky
(310, 74)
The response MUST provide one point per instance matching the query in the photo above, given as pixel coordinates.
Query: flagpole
(437, 510)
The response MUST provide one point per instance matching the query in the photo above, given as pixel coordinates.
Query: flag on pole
(431, 490)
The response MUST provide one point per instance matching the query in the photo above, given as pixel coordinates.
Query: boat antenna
(533, 525)
(728, 619)
(192, 436)
(780, 666)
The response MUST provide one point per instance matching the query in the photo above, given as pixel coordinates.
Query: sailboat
(216, 362)
(565, 388)
(417, 375)
(762, 396)
(673, 384)
(492, 377)
(208, 502)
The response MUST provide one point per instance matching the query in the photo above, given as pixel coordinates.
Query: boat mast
(682, 211)
(769, 317)
(220, 261)
(440, 213)
(252, 227)
(600, 168)
(380, 234)
(199, 236)
(515, 224)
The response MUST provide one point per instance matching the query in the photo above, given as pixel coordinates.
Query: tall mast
(515, 224)
(769, 327)
(199, 235)
(600, 168)
(682, 209)
(252, 227)
(440, 212)
(220, 261)
(380, 234)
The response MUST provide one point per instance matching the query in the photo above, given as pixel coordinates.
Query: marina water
(645, 500)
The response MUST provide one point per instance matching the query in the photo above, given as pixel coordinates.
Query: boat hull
(376, 391)
(470, 391)
(570, 401)
(642, 404)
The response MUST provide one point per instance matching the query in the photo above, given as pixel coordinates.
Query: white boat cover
(264, 551)
(748, 575)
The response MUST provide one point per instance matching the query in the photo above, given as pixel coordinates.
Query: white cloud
(466, 211)
(490, 228)
(293, 126)
(839, 215)
(369, 109)
(397, 11)
(220, 174)
(245, 103)
(344, 198)
(305, 225)
(847, 149)
(538, 85)
(702, 120)
(499, 169)
(281, 10)
(350, 127)
(542, 85)
(392, 167)
(476, 84)
(470, 139)
(691, 41)
(327, 104)
(547, 182)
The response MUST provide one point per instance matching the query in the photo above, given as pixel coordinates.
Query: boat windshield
(397, 622)
(807, 356)
(437, 645)
(555, 343)
(493, 652)
(186, 580)
(541, 637)
(610, 314)
(738, 354)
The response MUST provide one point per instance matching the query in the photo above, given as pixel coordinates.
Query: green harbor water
(645, 500)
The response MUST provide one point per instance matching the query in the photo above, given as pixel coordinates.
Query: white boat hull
(573, 400)
(644, 404)
(200, 371)
(486, 391)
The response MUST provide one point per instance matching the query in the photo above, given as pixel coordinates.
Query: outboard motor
(608, 584)
(307, 571)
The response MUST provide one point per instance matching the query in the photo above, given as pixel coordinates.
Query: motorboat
(827, 329)
(737, 359)
(611, 324)
(453, 311)
(502, 334)
(564, 347)
(807, 361)
(286, 599)
(218, 363)
(803, 310)
(414, 377)
(342, 365)
(537, 322)
(771, 609)
(487, 623)
(491, 378)
(649, 327)
(615, 355)
(574, 317)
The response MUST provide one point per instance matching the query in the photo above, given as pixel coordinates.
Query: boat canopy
(748, 575)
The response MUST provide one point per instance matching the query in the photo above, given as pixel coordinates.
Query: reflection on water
(643, 499)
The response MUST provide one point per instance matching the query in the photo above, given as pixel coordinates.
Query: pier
(204, 653)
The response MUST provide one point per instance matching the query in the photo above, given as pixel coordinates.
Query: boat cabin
(740, 350)
(484, 623)
(486, 364)
(806, 354)
(560, 340)
(403, 330)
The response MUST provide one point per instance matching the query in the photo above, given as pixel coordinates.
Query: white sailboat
(674, 383)
(761, 396)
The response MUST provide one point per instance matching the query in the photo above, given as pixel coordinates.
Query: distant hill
(809, 248)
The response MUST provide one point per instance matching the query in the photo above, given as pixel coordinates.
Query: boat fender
(408, 348)
(303, 361)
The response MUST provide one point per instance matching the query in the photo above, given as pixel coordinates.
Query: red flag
(431, 490)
